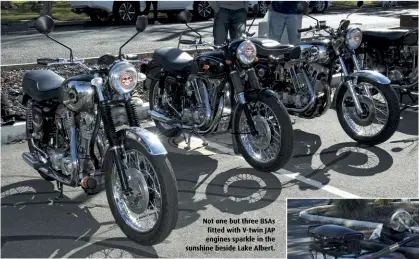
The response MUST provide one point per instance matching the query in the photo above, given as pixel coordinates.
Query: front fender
(363, 76)
(147, 139)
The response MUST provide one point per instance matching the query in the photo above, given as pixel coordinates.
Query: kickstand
(60, 188)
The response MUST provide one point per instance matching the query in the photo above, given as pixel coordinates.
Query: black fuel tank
(211, 64)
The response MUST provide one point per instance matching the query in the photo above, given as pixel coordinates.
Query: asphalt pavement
(93, 41)
(213, 184)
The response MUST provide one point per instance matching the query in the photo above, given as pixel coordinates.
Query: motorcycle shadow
(346, 158)
(408, 123)
(233, 191)
(35, 225)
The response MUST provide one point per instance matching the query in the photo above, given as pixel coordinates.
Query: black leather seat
(266, 47)
(385, 34)
(173, 59)
(42, 85)
(333, 231)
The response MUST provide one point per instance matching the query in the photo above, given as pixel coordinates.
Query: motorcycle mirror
(44, 24)
(142, 23)
(185, 16)
(303, 7)
(359, 4)
(255, 10)
(400, 220)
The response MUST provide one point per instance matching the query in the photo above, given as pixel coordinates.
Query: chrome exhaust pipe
(160, 117)
(31, 161)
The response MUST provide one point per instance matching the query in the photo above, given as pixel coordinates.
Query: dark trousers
(155, 10)
(229, 21)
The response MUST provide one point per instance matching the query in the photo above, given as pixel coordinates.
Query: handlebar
(58, 61)
(305, 29)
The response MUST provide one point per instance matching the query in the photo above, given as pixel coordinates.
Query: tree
(47, 8)
(351, 208)
(6, 5)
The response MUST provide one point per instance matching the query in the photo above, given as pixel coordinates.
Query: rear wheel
(156, 103)
(272, 148)
(126, 12)
(150, 213)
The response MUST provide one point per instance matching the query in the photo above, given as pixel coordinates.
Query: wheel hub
(367, 116)
(139, 198)
(263, 139)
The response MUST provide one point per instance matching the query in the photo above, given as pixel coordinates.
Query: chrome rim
(263, 8)
(376, 112)
(127, 12)
(204, 9)
(157, 108)
(265, 147)
(141, 210)
(320, 6)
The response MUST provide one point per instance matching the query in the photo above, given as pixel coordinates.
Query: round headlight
(246, 52)
(123, 77)
(353, 38)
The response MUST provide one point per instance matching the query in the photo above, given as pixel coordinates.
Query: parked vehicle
(127, 11)
(72, 138)
(398, 239)
(394, 53)
(303, 84)
(217, 91)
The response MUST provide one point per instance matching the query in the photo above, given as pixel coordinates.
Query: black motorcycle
(396, 239)
(217, 91)
(366, 105)
(73, 139)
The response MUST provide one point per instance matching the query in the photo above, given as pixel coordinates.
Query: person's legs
(155, 11)
(221, 25)
(238, 24)
(147, 8)
(276, 25)
(294, 22)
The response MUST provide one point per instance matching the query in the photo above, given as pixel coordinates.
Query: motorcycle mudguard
(252, 94)
(147, 139)
(364, 76)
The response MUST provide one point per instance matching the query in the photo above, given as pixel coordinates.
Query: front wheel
(150, 213)
(379, 119)
(272, 148)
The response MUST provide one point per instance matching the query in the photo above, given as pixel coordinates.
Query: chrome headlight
(353, 38)
(246, 52)
(123, 77)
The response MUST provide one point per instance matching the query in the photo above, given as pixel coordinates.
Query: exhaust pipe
(162, 118)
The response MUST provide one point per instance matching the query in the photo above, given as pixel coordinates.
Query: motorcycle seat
(385, 34)
(172, 59)
(42, 85)
(267, 47)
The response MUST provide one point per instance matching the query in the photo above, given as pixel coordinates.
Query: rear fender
(363, 76)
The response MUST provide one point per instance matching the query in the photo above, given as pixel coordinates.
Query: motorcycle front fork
(108, 123)
(349, 82)
(239, 90)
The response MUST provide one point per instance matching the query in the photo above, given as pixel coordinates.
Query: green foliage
(382, 202)
(350, 208)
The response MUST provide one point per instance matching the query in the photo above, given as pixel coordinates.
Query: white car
(127, 11)
(316, 6)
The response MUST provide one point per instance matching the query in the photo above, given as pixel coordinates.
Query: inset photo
(353, 228)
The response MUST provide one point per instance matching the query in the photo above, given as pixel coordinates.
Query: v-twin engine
(198, 112)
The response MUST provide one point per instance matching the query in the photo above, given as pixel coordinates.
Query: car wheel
(263, 8)
(203, 11)
(126, 12)
(100, 17)
(319, 6)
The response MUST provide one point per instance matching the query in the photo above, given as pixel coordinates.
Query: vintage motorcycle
(217, 91)
(397, 239)
(67, 118)
(303, 84)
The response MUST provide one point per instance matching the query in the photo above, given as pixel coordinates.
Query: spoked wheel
(272, 147)
(149, 213)
(379, 119)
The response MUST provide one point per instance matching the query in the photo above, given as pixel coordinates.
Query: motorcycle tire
(387, 131)
(169, 194)
(30, 146)
(287, 134)
(173, 132)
